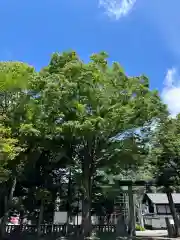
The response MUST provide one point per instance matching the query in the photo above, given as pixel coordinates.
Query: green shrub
(139, 228)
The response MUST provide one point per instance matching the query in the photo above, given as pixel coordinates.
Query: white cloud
(117, 8)
(171, 91)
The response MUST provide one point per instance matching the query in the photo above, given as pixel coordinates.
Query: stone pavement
(152, 233)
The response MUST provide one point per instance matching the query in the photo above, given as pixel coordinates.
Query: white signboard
(60, 217)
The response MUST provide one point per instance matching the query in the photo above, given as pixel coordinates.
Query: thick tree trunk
(173, 212)
(8, 203)
(86, 201)
(4, 218)
(86, 217)
(40, 218)
(21, 220)
(69, 201)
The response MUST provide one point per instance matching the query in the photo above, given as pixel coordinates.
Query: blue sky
(143, 35)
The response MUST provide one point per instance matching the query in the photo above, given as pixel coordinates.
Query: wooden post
(132, 221)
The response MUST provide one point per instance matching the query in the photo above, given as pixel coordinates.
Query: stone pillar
(121, 229)
(132, 220)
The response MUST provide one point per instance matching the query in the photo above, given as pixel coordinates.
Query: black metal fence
(56, 229)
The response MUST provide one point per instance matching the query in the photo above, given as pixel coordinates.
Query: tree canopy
(75, 122)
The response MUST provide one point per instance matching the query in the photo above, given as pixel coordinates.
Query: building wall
(61, 218)
(163, 209)
(157, 222)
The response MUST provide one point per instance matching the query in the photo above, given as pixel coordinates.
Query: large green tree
(14, 78)
(93, 105)
(78, 116)
(166, 155)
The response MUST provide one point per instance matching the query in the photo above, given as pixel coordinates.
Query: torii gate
(132, 222)
(130, 184)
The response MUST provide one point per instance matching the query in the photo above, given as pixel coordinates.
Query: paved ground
(152, 233)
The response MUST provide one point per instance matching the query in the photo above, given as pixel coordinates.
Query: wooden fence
(56, 229)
